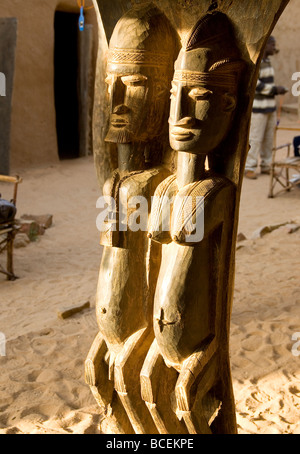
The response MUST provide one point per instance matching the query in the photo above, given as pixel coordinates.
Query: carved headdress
(143, 36)
(145, 43)
(217, 59)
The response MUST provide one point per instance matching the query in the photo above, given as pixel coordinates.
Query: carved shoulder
(199, 207)
(110, 184)
(143, 183)
(122, 188)
(159, 225)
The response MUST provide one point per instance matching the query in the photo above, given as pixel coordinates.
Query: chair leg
(10, 266)
(271, 187)
(287, 176)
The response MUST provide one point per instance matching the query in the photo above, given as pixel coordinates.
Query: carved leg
(128, 365)
(96, 372)
(197, 419)
(195, 425)
(96, 376)
(150, 376)
(225, 421)
(194, 405)
(157, 385)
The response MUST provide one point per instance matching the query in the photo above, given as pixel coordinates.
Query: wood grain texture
(183, 359)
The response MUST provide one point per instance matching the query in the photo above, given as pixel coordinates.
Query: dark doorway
(65, 84)
(8, 40)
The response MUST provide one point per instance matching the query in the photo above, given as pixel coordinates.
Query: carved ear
(229, 102)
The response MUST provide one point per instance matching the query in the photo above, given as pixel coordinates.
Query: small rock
(44, 220)
(292, 228)
(241, 237)
(31, 228)
(259, 233)
(262, 231)
(21, 240)
(69, 311)
(289, 228)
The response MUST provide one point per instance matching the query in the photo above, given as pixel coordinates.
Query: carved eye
(134, 81)
(199, 94)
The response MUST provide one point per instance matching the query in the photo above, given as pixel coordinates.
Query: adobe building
(287, 62)
(54, 74)
(54, 66)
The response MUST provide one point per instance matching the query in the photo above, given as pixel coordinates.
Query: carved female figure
(191, 308)
(140, 60)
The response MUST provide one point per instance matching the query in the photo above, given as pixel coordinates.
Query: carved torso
(128, 269)
(186, 298)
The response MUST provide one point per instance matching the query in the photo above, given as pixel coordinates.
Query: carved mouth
(118, 123)
(181, 134)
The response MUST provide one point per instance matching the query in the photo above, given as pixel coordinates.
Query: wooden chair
(8, 230)
(280, 168)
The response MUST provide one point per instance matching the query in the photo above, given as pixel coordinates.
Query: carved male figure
(191, 307)
(140, 64)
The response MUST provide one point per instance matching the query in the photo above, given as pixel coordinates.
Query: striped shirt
(264, 99)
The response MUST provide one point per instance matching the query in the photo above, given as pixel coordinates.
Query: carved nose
(185, 122)
(120, 109)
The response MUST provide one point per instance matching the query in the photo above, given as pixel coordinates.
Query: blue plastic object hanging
(81, 19)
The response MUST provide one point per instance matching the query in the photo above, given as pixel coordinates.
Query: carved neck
(130, 157)
(190, 168)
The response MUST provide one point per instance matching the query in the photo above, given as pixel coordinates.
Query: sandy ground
(42, 388)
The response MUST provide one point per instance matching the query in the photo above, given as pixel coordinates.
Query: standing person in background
(263, 119)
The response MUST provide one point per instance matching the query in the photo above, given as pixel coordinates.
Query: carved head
(141, 57)
(204, 86)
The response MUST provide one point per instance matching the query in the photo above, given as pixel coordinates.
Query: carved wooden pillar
(160, 363)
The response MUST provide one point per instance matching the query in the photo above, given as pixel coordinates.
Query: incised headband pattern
(223, 75)
(138, 57)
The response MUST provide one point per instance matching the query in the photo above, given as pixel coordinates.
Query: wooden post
(191, 297)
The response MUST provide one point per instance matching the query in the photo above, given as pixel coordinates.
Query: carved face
(138, 102)
(201, 109)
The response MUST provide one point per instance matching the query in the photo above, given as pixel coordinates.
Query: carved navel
(162, 322)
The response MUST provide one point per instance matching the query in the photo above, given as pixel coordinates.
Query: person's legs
(268, 143)
(257, 131)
